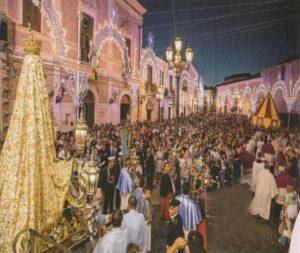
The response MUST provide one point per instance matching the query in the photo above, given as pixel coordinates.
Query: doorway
(89, 109)
(125, 108)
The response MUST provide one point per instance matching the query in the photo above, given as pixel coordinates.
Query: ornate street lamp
(179, 65)
(160, 96)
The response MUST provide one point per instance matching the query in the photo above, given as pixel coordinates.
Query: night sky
(228, 37)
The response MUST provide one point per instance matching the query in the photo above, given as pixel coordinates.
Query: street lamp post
(179, 65)
(160, 97)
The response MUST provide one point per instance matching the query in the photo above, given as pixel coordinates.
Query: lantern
(80, 133)
(178, 43)
(90, 173)
(169, 54)
(189, 55)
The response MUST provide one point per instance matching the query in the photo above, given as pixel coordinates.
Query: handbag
(281, 227)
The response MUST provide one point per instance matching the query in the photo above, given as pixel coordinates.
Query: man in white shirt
(64, 153)
(134, 224)
(116, 240)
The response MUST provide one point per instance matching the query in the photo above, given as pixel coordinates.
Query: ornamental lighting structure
(236, 97)
(178, 64)
(194, 103)
(160, 96)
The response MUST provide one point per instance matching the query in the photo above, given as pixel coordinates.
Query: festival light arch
(296, 89)
(149, 56)
(280, 85)
(110, 33)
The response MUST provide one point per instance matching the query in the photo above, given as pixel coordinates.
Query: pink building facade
(93, 58)
(282, 81)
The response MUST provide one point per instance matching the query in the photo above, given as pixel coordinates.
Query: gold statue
(32, 183)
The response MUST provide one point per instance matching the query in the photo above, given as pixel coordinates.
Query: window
(3, 30)
(86, 35)
(184, 86)
(128, 45)
(149, 74)
(32, 15)
(162, 77)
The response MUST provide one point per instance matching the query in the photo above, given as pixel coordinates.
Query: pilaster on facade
(4, 105)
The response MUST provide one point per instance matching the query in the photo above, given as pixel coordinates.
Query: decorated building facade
(93, 59)
(243, 93)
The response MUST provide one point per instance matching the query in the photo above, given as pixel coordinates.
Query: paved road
(230, 228)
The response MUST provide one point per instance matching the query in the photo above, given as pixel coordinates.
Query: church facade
(93, 60)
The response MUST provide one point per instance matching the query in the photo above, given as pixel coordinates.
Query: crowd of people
(162, 156)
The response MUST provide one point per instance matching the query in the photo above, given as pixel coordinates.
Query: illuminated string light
(53, 20)
(109, 32)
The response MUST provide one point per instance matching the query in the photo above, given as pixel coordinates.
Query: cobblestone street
(230, 228)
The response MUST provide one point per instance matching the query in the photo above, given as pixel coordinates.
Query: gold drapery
(33, 183)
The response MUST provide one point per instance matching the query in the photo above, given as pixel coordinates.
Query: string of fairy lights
(78, 72)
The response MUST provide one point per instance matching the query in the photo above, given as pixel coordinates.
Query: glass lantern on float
(205, 178)
(200, 173)
(88, 171)
(88, 177)
(81, 130)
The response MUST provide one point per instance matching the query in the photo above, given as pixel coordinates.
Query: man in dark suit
(119, 166)
(108, 184)
(175, 228)
(150, 168)
(166, 192)
(113, 149)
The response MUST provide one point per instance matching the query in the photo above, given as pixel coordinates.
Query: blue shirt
(115, 241)
(189, 212)
(134, 223)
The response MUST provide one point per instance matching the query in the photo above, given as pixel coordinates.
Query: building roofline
(237, 81)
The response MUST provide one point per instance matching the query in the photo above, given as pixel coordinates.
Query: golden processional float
(199, 171)
(44, 202)
(266, 114)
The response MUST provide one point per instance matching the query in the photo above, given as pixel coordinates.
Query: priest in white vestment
(265, 191)
(116, 240)
(134, 224)
(258, 166)
(295, 241)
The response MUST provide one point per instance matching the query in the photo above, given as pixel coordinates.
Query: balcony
(150, 88)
